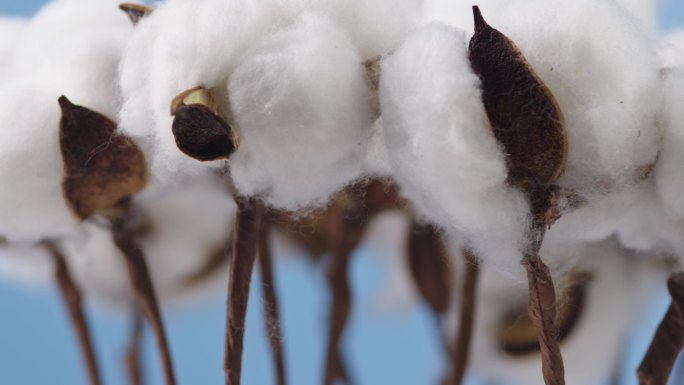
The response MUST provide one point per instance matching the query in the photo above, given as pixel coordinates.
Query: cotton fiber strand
(441, 149)
(302, 108)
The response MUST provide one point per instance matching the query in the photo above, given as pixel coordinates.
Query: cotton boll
(32, 206)
(646, 11)
(441, 149)
(181, 45)
(616, 283)
(602, 70)
(77, 45)
(301, 104)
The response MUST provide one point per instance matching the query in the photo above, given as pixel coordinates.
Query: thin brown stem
(71, 297)
(668, 340)
(272, 319)
(345, 235)
(133, 356)
(244, 253)
(145, 295)
(461, 348)
(542, 312)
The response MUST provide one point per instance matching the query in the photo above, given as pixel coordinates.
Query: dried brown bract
(101, 167)
(135, 12)
(525, 116)
(198, 127)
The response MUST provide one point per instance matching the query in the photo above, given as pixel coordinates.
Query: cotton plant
(82, 169)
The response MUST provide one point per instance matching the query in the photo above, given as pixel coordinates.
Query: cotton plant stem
(668, 340)
(71, 296)
(345, 235)
(542, 308)
(244, 253)
(272, 319)
(133, 356)
(461, 348)
(145, 296)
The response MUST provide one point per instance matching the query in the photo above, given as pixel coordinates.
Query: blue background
(37, 346)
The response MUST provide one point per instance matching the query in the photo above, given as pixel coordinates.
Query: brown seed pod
(525, 116)
(135, 12)
(199, 129)
(102, 168)
(429, 267)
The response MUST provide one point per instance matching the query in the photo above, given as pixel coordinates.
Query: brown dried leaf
(429, 267)
(198, 127)
(525, 116)
(102, 168)
(135, 12)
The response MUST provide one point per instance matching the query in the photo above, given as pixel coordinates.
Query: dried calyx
(524, 115)
(527, 121)
(198, 127)
(102, 169)
(429, 266)
(135, 12)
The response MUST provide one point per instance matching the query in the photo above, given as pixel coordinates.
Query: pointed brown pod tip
(480, 22)
(198, 127)
(135, 12)
(524, 114)
(102, 168)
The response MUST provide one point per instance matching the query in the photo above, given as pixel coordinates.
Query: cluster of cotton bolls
(318, 96)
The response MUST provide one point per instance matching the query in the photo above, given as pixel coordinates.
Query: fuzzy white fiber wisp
(32, 206)
(11, 29)
(302, 108)
(602, 69)
(668, 173)
(441, 150)
(181, 45)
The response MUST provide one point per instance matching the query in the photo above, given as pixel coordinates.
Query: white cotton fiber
(32, 206)
(375, 27)
(76, 44)
(617, 289)
(188, 225)
(181, 45)
(646, 11)
(441, 149)
(671, 49)
(11, 29)
(26, 264)
(603, 70)
(669, 173)
(301, 104)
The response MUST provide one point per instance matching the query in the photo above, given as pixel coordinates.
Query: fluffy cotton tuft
(671, 50)
(10, 31)
(181, 45)
(302, 108)
(32, 206)
(603, 71)
(441, 149)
